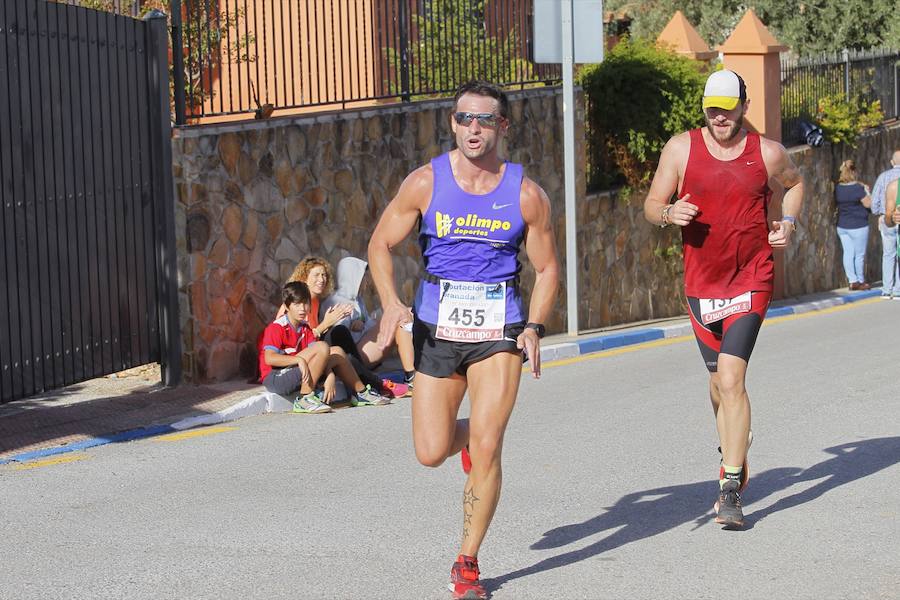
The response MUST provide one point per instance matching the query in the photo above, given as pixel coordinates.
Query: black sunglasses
(484, 119)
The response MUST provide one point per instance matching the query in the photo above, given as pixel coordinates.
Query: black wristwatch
(538, 328)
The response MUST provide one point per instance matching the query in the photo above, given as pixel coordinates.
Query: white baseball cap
(724, 89)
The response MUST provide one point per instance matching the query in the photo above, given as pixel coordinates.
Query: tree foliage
(843, 121)
(807, 26)
(452, 45)
(639, 97)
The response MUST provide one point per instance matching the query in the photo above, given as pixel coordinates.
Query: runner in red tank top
(721, 177)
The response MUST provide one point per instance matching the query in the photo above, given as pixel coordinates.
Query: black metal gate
(87, 218)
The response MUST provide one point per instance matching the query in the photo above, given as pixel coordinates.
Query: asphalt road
(609, 474)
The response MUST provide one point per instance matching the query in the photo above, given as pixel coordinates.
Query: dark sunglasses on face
(484, 119)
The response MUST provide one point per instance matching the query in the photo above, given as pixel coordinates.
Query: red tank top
(726, 246)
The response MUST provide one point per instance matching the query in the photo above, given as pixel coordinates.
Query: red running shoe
(395, 390)
(464, 579)
(466, 460)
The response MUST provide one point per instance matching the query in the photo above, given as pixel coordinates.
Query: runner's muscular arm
(398, 219)
(668, 175)
(540, 246)
(783, 170)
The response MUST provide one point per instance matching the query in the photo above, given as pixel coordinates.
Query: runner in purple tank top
(470, 326)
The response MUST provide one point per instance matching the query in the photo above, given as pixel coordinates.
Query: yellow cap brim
(723, 102)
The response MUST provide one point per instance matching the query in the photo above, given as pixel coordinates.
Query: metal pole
(404, 51)
(178, 61)
(847, 74)
(896, 91)
(568, 63)
(163, 196)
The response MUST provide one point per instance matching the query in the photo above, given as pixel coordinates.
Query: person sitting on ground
(353, 279)
(291, 360)
(853, 203)
(317, 274)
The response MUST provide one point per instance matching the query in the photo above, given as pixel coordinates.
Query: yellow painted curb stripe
(184, 435)
(822, 311)
(684, 338)
(614, 351)
(67, 458)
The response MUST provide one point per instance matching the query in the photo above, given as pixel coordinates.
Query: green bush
(638, 97)
(843, 121)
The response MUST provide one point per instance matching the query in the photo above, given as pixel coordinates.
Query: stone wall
(254, 198)
(813, 262)
(628, 269)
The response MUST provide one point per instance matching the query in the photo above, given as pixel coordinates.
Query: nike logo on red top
(751, 162)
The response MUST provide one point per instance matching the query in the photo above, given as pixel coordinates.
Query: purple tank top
(471, 237)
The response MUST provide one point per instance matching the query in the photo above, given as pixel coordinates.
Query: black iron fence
(87, 267)
(867, 75)
(255, 56)
(131, 8)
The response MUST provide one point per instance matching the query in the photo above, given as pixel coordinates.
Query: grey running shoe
(728, 507)
(368, 397)
(310, 403)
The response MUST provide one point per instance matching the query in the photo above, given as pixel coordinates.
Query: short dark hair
(295, 292)
(483, 88)
(742, 88)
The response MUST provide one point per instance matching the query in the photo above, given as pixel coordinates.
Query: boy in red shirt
(291, 360)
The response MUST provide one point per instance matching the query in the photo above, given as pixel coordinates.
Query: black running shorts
(734, 335)
(441, 358)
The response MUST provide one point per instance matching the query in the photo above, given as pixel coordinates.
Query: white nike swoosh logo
(499, 206)
(751, 162)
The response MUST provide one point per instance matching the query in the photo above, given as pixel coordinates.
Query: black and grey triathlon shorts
(442, 358)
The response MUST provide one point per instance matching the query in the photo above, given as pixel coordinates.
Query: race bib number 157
(716, 309)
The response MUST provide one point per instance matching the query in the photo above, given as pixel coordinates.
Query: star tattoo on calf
(469, 499)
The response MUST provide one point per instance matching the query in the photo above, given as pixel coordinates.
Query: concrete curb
(124, 436)
(586, 345)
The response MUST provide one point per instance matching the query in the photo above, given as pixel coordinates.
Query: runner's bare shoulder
(416, 189)
(676, 151)
(678, 145)
(778, 162)
(533, 200)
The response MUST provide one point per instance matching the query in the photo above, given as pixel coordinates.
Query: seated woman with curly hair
(318, 275)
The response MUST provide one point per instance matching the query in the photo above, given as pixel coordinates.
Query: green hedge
(843, 121)
(638, 97)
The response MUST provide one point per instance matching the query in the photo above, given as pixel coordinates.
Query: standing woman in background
(853, 203)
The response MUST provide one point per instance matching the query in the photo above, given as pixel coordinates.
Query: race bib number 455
(471, 311)
(716, 309)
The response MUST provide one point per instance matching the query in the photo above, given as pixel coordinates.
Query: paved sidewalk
(133, 405)
(91, 413)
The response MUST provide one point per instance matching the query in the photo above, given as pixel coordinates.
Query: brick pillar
(680, 36)
(753, 53)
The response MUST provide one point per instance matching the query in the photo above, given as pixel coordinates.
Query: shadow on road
(851, 461)
(650, 512)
